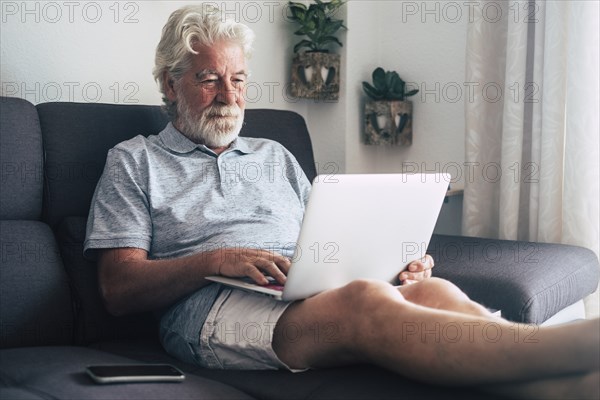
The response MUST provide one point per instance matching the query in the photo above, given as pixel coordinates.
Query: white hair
(194, 24)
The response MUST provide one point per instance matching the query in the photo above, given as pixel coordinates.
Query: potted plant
(316, 72)
(388, 116)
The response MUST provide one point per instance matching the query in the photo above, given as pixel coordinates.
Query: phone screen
(133, 373)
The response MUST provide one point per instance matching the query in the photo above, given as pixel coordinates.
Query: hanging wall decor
(388, 116)
(316, 71)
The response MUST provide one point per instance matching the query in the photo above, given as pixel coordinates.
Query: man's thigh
(238, 332)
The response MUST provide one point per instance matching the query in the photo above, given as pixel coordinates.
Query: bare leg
(370, 321)
(449, 297)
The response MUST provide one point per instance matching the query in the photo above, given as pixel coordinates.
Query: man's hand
(254, 263)
(417, 271)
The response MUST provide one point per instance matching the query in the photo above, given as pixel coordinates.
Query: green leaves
(298, 11)
(371, 91)
(301, 44)
(317, 23)
(387, 85)
(379, 79)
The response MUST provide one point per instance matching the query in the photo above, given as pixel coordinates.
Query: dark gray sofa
(52, 320)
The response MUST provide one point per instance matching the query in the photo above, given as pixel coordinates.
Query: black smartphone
(122, 373)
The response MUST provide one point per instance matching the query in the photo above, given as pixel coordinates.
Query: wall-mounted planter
(388, 123)
(316, 75)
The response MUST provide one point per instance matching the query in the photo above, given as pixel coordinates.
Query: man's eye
(209, 83)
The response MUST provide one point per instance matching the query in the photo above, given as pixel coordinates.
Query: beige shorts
(238, 332)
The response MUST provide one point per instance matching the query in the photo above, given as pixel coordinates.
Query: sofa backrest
(35, 299)
(285, 127)
(77, 137)
(22, 158)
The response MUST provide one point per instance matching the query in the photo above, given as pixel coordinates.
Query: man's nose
(227, 94)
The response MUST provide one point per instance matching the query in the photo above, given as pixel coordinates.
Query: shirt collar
(176, 141)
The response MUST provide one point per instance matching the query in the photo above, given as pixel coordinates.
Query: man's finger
(430, 261)
(256, 275)
(416, 266)
(269, 267)
(283, 263)
(411, 275)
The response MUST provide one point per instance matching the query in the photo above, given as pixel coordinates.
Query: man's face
(209, 96)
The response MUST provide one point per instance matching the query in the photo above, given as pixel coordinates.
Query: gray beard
(217, 126)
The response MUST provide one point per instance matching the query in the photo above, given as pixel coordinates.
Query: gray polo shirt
(172, 198)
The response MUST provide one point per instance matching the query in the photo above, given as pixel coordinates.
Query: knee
(365, 296)
(366, 306)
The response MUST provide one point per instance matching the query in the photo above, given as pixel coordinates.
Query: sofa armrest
(529, 282)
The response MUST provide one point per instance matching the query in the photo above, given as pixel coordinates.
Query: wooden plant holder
(316, 75)
(397, 129)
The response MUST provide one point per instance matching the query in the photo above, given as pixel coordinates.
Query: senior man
(180, 210)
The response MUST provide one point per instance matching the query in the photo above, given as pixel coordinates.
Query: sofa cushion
(59, 373)
(529, 282)
(35, 300)
(15, 393)
(93, 323)
(285, 127)
(22, 160)
(77, 137)
(353, 382)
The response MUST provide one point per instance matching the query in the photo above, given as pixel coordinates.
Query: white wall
(103, 51)
(431, 55)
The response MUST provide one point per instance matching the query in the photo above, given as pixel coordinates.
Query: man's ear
(169, 86)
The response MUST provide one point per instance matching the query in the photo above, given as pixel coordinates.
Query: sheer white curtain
(532, 131)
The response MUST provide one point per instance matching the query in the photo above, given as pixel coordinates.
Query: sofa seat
(58, 372)
(353, 382)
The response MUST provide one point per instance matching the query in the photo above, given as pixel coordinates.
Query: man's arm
(130, 282)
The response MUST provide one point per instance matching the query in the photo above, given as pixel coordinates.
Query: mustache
(223, 111)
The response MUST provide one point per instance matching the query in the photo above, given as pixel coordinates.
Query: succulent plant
(387, 85)
(317, 23)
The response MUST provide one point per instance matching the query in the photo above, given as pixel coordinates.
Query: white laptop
(358, 226)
